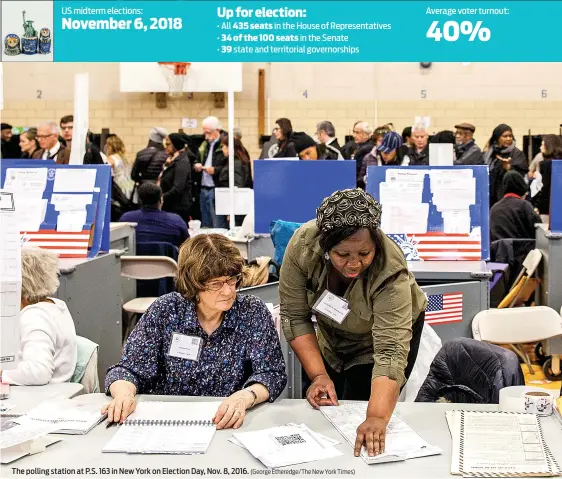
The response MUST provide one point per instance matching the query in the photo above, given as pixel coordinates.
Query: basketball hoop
(175, 74)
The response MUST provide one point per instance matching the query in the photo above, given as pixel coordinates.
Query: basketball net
(175, 74)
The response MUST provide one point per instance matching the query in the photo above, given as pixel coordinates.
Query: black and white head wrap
(348, 208)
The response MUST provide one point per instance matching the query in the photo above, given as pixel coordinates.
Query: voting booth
(292, 190)
(549, 242)
(63, 208)
(439, 216)
(66, 209)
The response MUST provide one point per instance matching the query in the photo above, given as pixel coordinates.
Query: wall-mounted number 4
(305, 94)
(544, 94)
(39, 94)
(424, 94)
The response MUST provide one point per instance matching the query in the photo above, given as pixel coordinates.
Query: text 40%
(452, 31)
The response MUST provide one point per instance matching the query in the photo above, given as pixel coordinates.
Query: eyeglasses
(42, 137)
(216, 285)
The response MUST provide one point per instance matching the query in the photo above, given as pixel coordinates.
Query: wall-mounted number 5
(544, 94)
(39, 94)
(424, 94)
(305, 94)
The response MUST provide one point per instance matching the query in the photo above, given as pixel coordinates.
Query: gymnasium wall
(524, 95)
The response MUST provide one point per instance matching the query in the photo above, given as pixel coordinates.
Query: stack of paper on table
(286, 445)
(19, 440)
(401, 443)
(499, 444)
(70, 417)
(166, 428)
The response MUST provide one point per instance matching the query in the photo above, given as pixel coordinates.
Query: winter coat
(242, 175)
(470, 371)
(148, 163)
(468, 154)
(518, 163)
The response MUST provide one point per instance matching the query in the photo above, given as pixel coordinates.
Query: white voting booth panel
(10, 281)
(243, 201)
(201, 77)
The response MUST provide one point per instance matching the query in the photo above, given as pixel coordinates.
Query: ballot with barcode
(286, 445)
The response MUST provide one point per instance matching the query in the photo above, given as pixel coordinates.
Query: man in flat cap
(467, 151)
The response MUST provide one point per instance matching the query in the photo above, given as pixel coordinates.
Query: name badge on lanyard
(185, 347)
(332, 306)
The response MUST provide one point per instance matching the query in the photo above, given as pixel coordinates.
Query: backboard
(201, 78)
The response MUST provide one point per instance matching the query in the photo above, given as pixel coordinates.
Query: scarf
(348, 208)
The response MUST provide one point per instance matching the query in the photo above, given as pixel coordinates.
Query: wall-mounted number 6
(544, 93)
(39, 94)
(424, 94)
(305, 94)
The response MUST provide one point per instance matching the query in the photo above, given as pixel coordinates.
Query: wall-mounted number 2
(39, 94)
(424, 94)
(544, 94)
(305, 94)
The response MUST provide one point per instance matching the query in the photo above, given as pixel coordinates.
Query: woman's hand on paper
(372, 434)
(232, 411)
(322, 386)
(123, 404)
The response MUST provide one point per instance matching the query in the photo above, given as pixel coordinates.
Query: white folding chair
(516, 326)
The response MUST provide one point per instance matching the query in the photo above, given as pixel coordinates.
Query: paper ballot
(405, 218)
(492, 444)
(75, 180)
(456, 221)
(402, 442)
(417, 176)
(286, 445)
(401, 197)
(401, 192)
(32, 181)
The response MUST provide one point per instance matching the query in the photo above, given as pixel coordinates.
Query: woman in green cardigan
(343, 270)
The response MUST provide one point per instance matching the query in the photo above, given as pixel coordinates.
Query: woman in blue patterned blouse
(204, 340)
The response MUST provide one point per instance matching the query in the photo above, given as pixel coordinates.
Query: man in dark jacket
(362, 132)
(513, 216)
(10, 143)
(419, 153)
(326, 134)
(467, 151)
(210, 163)
(149, 161)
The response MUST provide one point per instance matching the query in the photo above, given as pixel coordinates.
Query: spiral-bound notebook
(499, 444)
(166, 428)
